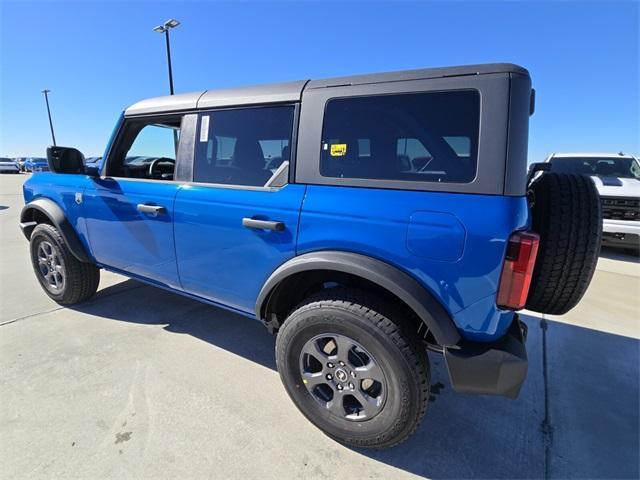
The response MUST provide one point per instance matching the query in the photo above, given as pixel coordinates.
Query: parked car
(7, 165)
(36, 164)
(358, 256)
(617, 178)
(20, 162)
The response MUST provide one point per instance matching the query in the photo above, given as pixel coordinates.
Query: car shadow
(576, 416)
(135, 302)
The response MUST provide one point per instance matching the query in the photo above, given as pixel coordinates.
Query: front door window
(147, 150)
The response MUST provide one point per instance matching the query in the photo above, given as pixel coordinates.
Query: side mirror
(91, 170)
(65, 160)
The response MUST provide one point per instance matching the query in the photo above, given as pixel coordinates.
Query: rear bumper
(491, 369)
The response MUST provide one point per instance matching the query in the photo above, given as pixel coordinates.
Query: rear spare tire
(567, 215)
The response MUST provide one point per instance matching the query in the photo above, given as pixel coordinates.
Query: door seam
(304, 197)
(173, 232)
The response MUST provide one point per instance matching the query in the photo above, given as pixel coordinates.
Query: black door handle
(153, 210)
(262, 224)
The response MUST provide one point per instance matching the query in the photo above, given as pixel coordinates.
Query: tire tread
(389, 320)
(82, 278)
(567, 215)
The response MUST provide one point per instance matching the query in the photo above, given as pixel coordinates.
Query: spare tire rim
(343, 377)
(51, 267)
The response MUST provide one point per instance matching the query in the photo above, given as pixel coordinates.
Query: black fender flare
(402, 285)
(58, 219)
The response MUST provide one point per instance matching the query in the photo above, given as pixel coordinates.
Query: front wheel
(352, 366)
(62, 276)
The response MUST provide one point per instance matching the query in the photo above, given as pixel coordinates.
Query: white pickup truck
(617, 177)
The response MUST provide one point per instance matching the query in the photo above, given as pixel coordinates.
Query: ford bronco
(364, 220)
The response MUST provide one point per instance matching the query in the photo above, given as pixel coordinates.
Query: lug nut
(339, 387)
(330, 365)
(351, 386)
(353, 374)
(329, 376)
(341, 363)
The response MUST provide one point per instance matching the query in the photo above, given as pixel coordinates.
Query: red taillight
(517, 270)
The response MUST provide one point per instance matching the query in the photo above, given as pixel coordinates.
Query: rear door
(238, 220)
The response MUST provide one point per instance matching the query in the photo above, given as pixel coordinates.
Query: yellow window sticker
(338, 149)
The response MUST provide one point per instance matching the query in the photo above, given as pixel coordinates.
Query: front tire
(62, 276)
(352, 366)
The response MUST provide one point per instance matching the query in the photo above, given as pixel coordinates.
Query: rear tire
(63, 277)
(567, 215)
(385, 394)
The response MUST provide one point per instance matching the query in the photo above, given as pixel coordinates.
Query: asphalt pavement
(143, 383)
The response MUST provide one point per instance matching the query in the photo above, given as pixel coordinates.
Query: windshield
(601, 167)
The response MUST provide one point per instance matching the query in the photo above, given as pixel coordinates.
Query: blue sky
(99, 57)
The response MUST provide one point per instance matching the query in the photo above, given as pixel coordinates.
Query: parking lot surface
(143, 383)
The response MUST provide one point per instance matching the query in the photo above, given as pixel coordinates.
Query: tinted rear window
(430, 137)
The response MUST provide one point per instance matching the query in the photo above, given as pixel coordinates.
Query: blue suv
(364, 220)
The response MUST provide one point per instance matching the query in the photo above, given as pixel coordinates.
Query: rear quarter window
(427, 137)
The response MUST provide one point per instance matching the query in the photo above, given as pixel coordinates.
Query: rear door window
(430, 137)
(243, 146)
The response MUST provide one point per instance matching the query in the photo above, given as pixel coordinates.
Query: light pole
(164, 28)
(46, 99)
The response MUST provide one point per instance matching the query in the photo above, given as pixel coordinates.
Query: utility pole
(46, 99)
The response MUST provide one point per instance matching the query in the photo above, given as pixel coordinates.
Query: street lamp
(46, 99)
(164, 28)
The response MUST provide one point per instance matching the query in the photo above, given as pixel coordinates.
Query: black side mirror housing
(65, 160)
(91, 170)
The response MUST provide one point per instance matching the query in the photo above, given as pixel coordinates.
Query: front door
(238, 220)
(129, 210)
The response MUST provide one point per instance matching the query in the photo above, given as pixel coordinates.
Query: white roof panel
(169, 103)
